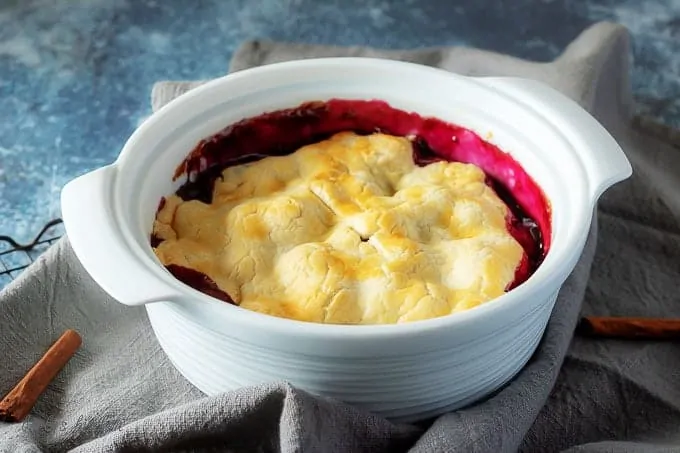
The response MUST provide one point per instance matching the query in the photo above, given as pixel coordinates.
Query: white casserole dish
(405, 372)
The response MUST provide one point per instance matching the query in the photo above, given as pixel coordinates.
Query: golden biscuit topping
(348, 231)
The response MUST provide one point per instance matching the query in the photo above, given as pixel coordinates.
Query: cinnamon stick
(629, 328)
(21, 399)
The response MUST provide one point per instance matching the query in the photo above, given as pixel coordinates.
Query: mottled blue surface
(75, 75)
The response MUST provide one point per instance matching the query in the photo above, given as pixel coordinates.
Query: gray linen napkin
(120, 393)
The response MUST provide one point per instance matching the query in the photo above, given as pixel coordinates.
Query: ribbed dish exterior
(404, 389)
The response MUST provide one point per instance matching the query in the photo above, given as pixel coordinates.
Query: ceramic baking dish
(407, 371)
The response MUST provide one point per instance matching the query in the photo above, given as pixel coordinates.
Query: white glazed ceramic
(405, 372)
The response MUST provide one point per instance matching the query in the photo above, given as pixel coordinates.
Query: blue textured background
(75, 75)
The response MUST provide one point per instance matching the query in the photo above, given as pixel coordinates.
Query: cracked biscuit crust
(347, 231)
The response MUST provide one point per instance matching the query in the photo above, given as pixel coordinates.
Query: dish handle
(92, 230)
(605, 167)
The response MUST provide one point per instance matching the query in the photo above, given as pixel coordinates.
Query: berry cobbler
(352, 212)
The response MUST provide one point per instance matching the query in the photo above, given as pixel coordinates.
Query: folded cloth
(120, 393)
